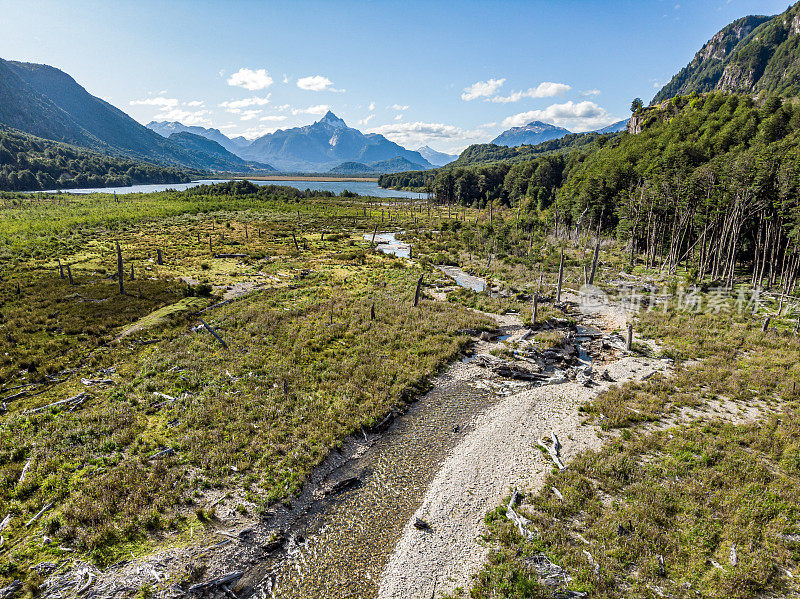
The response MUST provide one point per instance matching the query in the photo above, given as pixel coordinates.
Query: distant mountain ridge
(167, 128)
(751, 55)
(393, 165)
(533, 133)
(214, 155)
(317, 147)
(436, 158)
(43, 101)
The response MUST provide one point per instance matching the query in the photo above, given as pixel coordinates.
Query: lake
(364, 188)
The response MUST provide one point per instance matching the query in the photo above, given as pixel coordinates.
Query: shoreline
(321, 178)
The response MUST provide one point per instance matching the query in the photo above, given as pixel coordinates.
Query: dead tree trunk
(132, 275)
(296, 245)
(374, 232)
(560, 277)
(159, 257)
(629, 338)
(594, 262)
(69, 274)
(417, 292)
(119, 271)
(534, 309)
(60, 269)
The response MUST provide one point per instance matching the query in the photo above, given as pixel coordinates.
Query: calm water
(364, 188)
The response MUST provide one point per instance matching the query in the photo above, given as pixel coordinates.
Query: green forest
(711, 183)
(29, 163)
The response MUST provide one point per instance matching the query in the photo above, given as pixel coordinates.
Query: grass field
(306, 362)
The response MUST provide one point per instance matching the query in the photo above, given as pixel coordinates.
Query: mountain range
(537, 132)
(318, 147)
(43, 101)
(436, 158)
(754, 54)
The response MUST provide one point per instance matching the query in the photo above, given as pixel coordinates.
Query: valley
(262, 348)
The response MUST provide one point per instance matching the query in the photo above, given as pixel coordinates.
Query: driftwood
(213, 332)
(519, 521)
(507, 369)
(38, 515)
(5, 522)
(553, 450)
(216, 582)
(71, 401)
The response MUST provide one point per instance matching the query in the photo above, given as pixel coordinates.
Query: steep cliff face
(753, 54)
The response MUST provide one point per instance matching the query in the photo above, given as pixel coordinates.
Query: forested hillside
(754, 54)
(711, 182)
(29, 163)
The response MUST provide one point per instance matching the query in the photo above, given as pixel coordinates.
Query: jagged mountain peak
(332, 120)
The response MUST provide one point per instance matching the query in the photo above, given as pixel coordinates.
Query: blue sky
(444, 73)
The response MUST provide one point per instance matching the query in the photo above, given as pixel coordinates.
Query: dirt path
(500, 452)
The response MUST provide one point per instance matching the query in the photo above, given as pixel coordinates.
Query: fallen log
(213, 332)
(519, 521)
(161, 454)
(38, 515)
(24, 473)
(72, 401)
(216, 582)
(342, 486)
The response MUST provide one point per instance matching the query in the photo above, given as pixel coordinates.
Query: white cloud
(285, 78)
(317, 83)
(250, 79)
(399, 107)
(590, 93)
(414, 135)
(273, 117)
(282, 107)
(159, 101)
(371, 106)
(398, 117)
(194, 103)
(482, 89)
(187, 117)
(546, 89)
(317, 109)
(246, 102)
(249, 115)
(366, 119)
(575, 116)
